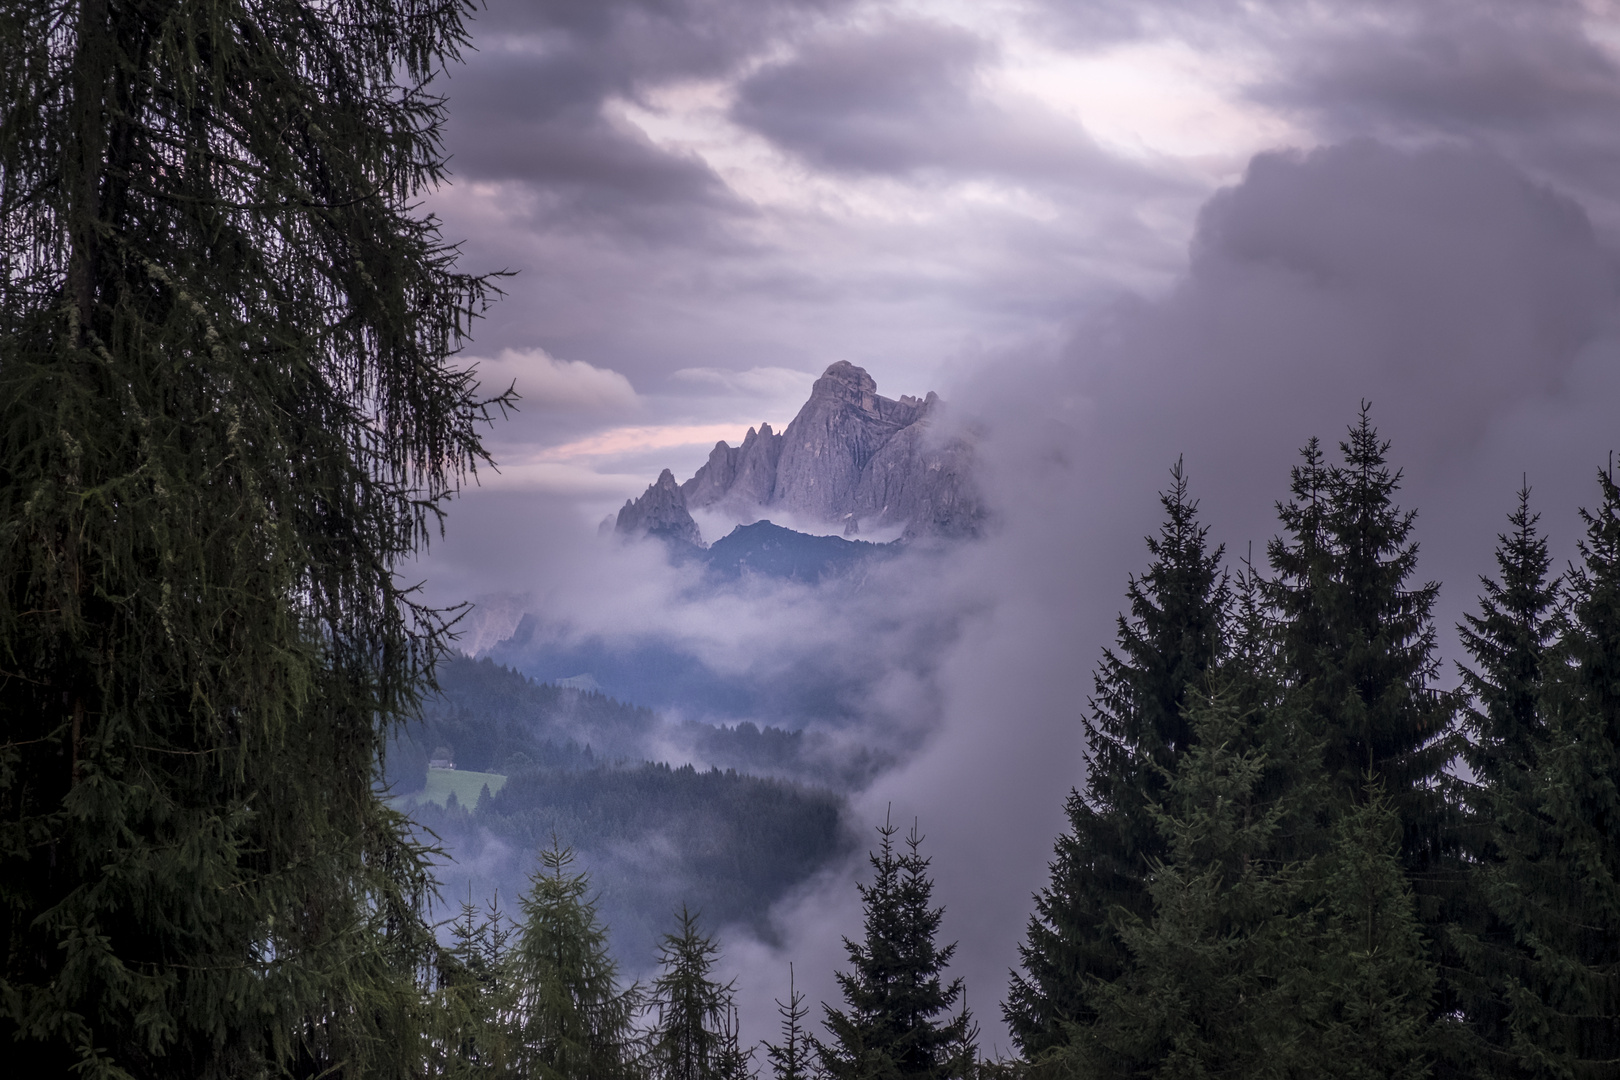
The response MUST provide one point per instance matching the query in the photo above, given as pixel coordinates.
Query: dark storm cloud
(907, 97)
(528, 107)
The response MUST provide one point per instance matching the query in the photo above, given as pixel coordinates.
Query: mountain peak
(851, 458)
(661, 511)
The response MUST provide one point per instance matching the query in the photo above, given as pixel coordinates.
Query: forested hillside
(491, 718)
(653, 838)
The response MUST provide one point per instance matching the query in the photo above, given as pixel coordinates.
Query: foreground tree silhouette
(1356, 644)
(1136, 732)
(1510, 642)
(1556, 881)
(791, 1058)
(1256, 962)
(574, 1022)
(896, 1022)
(227, 413)
(695, 1037)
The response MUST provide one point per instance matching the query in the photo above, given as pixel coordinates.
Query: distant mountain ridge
(851, 459)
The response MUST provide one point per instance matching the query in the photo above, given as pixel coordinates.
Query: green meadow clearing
(465, 783)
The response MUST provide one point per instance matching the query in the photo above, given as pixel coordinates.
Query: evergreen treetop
(1508, 641)
(1557, 884)
(694, 1036)
(896, 1023)
(791, 1058)
(1354, 638)
(575, 1022)
(1137, 728)
(1356, 644)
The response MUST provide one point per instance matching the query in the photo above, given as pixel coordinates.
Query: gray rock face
(851, 457)
(739, 477)
(661, 512)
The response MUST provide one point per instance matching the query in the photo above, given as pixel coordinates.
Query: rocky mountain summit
(851, 459)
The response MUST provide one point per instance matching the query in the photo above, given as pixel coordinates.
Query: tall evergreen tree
(1255, 964)
(1356, 644)
(1557, 885)
(1199, 994)
(791, 1058)
(473, 1009)
(896, 1023)
(1135, 733)
(575, 1022)
(227, 412)
(694, 1038)
(1509, 642)
(1356, 658)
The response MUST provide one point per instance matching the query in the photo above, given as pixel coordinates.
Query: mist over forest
(809, 538)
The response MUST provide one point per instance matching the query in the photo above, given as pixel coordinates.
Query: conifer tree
(1509, 642)
(791, 1058)
(228, 412)
(1355, 654)
(694, 1037)
(575, 1022)
(896, 1022)
(472, 1022)
(1364, 990)
(1356, 645)
(1172, 637)
(1557, 885)
(1255, 963)
(1201, 994)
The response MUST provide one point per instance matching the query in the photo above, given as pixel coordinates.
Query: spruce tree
(1255, 962)
(1363, 992)
(228, 412)
(694, 1037)
(1355, 652)
(1199, 994)
(1509, 642)
(575, 1022)
(791, 1058)
(1135, 733)
(896, 1023)
(472, 1020)
(1356, 645)
(1557, 885)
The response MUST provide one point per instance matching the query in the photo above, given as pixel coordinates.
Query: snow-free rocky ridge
(851, 459)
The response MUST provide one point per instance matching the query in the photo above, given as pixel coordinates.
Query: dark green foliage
(791, 1058)
(695, 1036)
(1556, 887)
(1136, 731)
(1355, 645)
(896, 1023)
(1254, 964)
(227, 412)
(474, 1001)
(573, 1021)
(1367, 1002)
(734, 843)
(1510, 641)
(1204, 988)
(486, 713)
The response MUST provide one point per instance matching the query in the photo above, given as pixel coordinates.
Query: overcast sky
(1110, 232)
